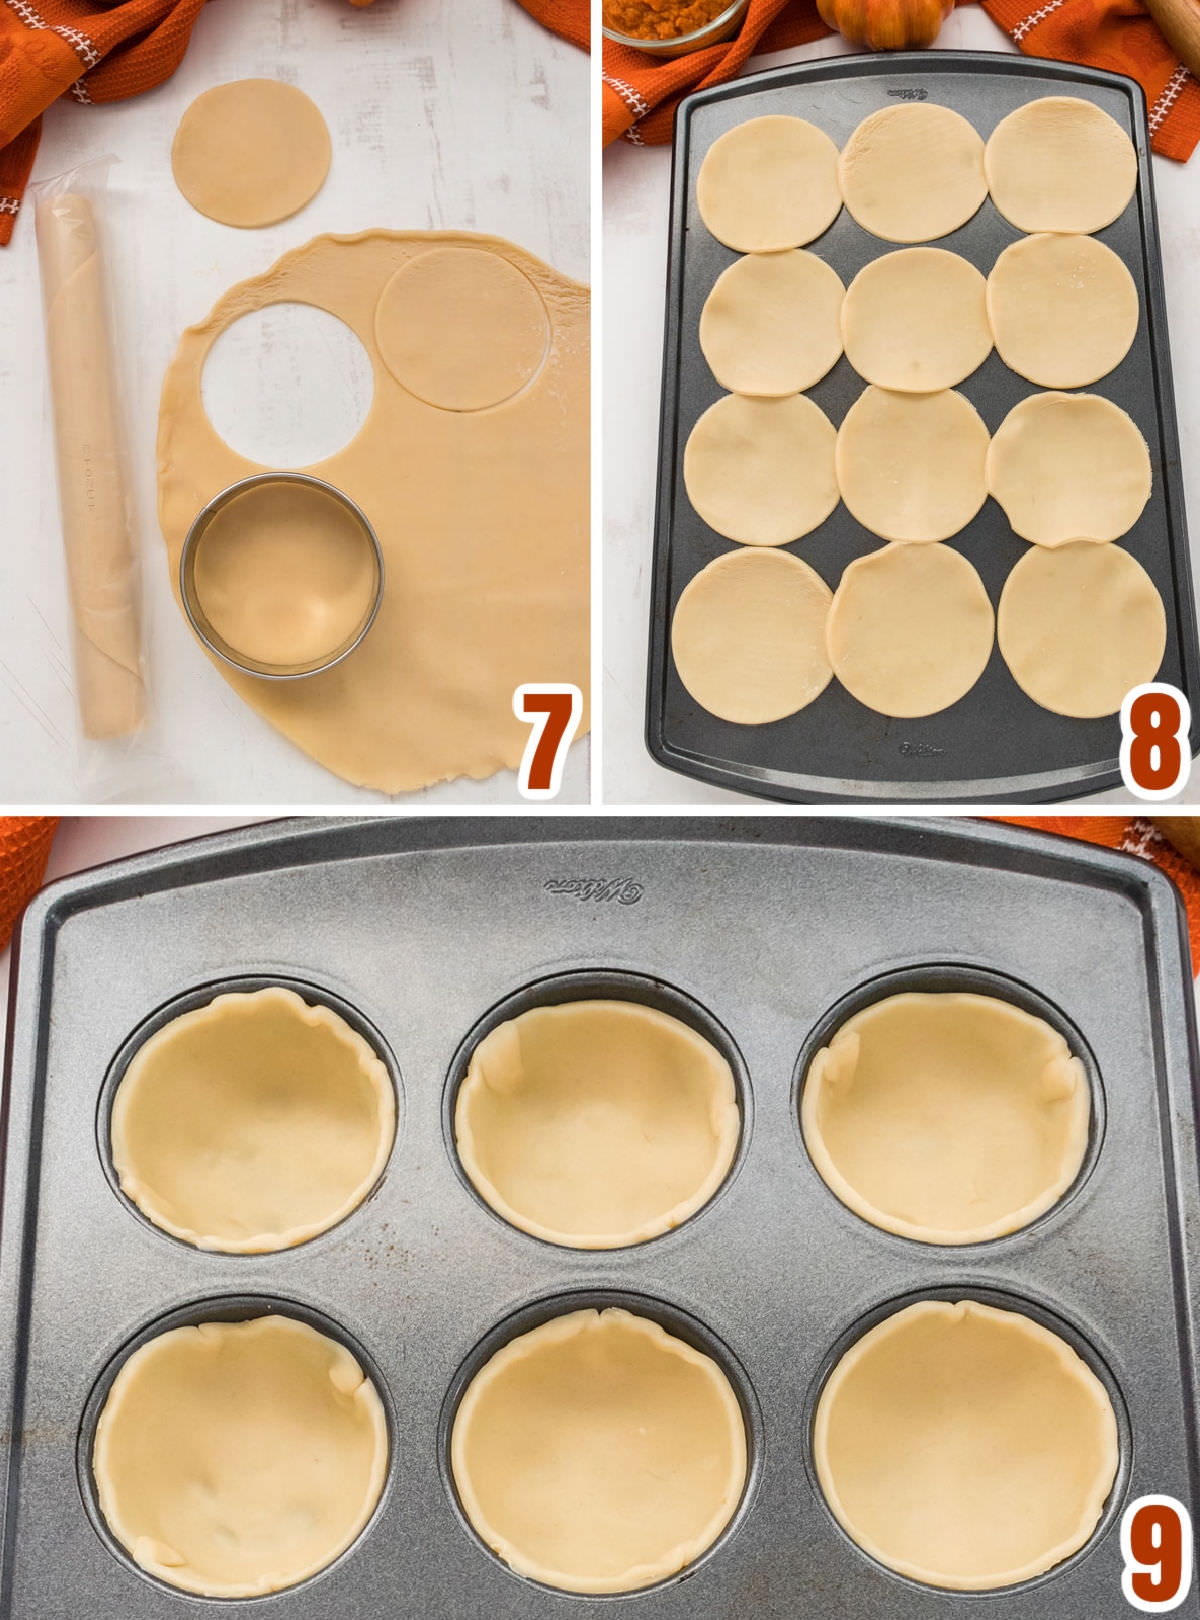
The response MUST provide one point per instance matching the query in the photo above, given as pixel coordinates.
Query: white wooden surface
(465, 116)
(636, 205)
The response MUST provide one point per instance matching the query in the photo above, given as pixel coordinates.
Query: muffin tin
(995, 744)
(763, 933)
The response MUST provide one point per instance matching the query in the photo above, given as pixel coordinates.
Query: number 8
(1156, 1544)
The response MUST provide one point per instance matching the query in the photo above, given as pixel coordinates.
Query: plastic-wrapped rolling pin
(96, 510)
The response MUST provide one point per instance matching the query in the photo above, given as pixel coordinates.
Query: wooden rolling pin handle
(1180, 24)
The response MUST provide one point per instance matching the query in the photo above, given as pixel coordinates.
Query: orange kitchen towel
(570, 18)
(24, 850)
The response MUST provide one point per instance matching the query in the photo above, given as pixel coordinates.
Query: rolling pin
(1179, 21)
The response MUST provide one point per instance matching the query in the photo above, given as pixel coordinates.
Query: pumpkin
(886, 25)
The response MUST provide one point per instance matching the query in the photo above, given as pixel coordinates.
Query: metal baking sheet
(995, 744)
(756, 929)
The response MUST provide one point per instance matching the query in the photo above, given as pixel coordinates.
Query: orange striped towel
(24, 850)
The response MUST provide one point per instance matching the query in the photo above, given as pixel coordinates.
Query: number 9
(1156, 1544)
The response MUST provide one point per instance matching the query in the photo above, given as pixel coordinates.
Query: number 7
(555, 707)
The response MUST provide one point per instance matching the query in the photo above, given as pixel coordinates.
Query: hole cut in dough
(761, 471)
(461, 328)
(770, 324)
(1060, 164)
(1069, 467)
(949, 1117)
(237, 1458)
(910, 629)
(599, 1453)
(768, 184)
(912, 466)
(916, 320)
(1079, 627)
(251, 153)
(1064, 309)
(253, 1123)
(748, 636)
(913, 172)
(965, 1446)
(596, 1124)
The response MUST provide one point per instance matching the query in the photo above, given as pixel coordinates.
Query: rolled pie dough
(768, 184)
(599, 1453)
(761, 471)
(916, 320)
(748, 636)
(913, 172)
(770, 324)
(965, 1446)
(237, 1458)
(596, 1124)
(251, 153)
(482, 516)
(912, 466)
(1060, 164)
(950, 1118)
(1080, 626)
(253, 1123)
(1064, 309)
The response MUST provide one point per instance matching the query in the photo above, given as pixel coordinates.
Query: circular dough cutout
(768, 184)
(596, 1124)
(237, 1458)
(1060, 164)
(1063, 309)
(916, 320)
(913, 172)
(770, 325)
(1069, 467)
(1079, 627)
(912, 466)
(251, 153)
(965, 1446)
(461, 328)
(949, 1118)
(748, 636)
(761, 471)
(910, 629)
(252, 1123)
(599, 1453)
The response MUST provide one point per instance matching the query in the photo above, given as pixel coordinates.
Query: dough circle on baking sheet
(910, 629)
(596, 1124)
(761, 471)
(1063, 309)
(947, 1117)
(251, 153)
(916, 320)
(461, 328)
(965, 1446)
(1069, 467)
(237, 1458)
(748, 636)
(912, 466)
(598, 1452)
(768, 184)
(913, 172)
(1060, 164)
(1079, 626)
(770, 324)
(252, 1123)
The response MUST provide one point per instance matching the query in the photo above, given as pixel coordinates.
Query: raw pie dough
(1080, 626)
(599, 1453)
(965, 1446)
(1069, 467)
(949, 1118)
(1064, 309)
(913, 172)
(1060, 164)
(769, 183)
(482, 516)
(912, 466)
(251, 153)
(770, 324)
(916, 320)
(236, 1458)
(761, 471)
(910, 630)
(596, 1124)
(253, 1123)
(748, 636)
